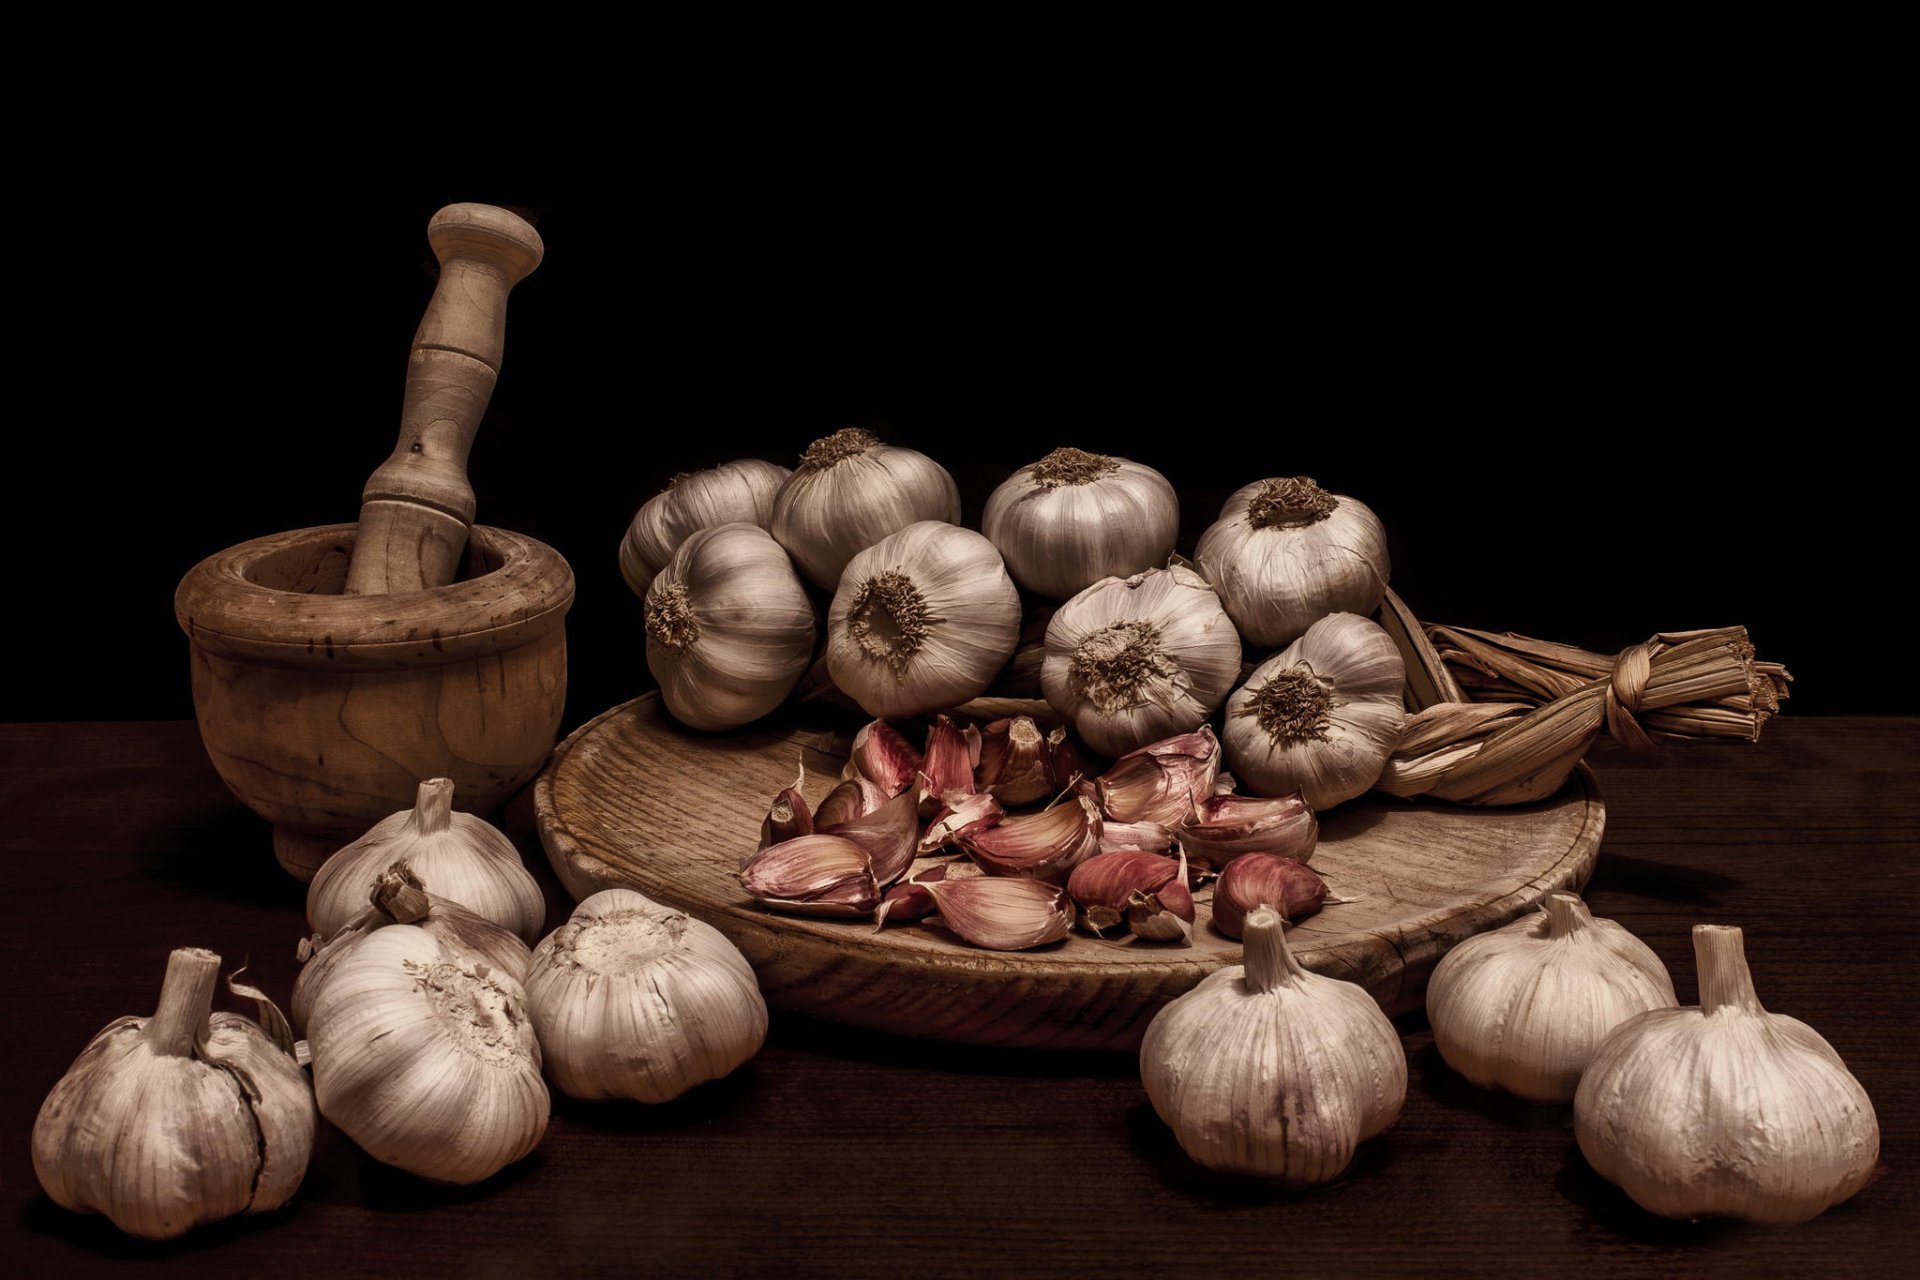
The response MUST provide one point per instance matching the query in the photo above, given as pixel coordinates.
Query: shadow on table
(714, 1100)
(795, 1031)
(92, 1231)
(1429, 1074)
(1154, 1142)
(245, 870)
(1665, 881)
(341, 1173)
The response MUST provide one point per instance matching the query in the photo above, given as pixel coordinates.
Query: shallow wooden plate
(632, 799)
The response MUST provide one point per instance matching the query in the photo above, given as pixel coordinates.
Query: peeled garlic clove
(462, 857)
(1525, 1007)
(732, 492)
(1227, 826)
(729, 628)
(1016, 763)
(884, 758)
(1270, 1070)
(1322, 717)
(788, 816)
(185, 1117)
(1133, 660)
(1725, 1110)
(1286, 553)
(818, 875)
(960, 816)
(889, 835)
(1003, 913)
(1162, 781)
(401, 897)
(952, 758)
(851, 491)
(1255, 880)
(635, 1000)
(1075, 517)
(1135, 888)
(1051, 842)
(426, 1059)
(922, 620)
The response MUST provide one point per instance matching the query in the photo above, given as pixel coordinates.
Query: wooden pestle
(416, 508)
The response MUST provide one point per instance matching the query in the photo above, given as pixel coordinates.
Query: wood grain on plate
(632, 799)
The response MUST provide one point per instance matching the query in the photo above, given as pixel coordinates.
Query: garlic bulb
(426, 1059)
(1525, 1007)
(400, 898)
(465, 860)
(1725, 1110)
(1321, 717)
(186, 1117)
(729, 627)
(851, 491)
(1133, 660)
(923, 619)
(1267, 1069)
(1073, 518)
(635, 1000)
(1286, 553)
(734, 491)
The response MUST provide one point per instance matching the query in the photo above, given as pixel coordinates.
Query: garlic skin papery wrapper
(1286, 553)
(186, 1117)
(1725, 1110)
(631, 999)
(1320, 717)
(462, 857)
(1525, 1007)
(426, 1058)
(1132, 660)
(1268, 1069)
(923, 620)
(851, 491)
(729, 628)
(1067, 521)
(400, 898)
(733, 492)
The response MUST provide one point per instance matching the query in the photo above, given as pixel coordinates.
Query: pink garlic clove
(961, 815)
(1003, 913)
(787, 817)
(850, 801)
(952, 755)
(1016, 763)
(884, 758)
(1137, 888)
(910, 899)
(1254, 880)
(818, 875)
(1047, 843)
(1067, 765)
(888, 835)
(1144, 837)
(1162, 781)
(1227, 826)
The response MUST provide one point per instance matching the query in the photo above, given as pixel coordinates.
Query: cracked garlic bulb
(733, 491)
(635, 1000)
(1073, 518)
(1525, 1007)
(851, 491)
(186, 1117)
(1286, 553)
(1270, 1070)
(729, 627)
(1130, 661)
(1725, 1110)
(1322, 716)
(923, 620)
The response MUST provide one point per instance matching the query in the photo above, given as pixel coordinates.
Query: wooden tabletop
(843, 1154)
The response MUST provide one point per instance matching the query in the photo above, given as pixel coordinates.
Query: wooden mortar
(324, 711)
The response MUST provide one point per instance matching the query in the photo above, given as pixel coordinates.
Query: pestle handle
(416, 507)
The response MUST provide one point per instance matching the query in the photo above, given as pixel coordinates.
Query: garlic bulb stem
(1269, 961)
(433, 806)
(1566, 914)
(186, 998)
(1719, 952)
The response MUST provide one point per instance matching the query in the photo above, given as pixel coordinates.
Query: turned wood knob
(416, 508)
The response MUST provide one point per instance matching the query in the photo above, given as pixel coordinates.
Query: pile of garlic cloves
(1003, 836)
